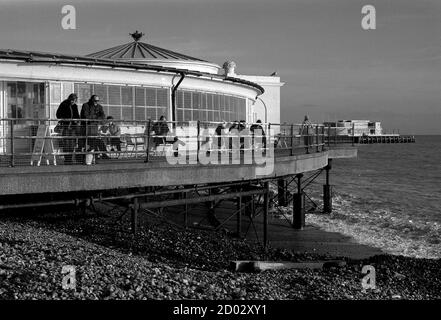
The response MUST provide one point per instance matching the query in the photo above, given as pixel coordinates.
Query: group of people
(96, 127)
(93, 126)
(256, 130)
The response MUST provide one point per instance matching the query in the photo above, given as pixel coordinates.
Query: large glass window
(23, 100)
(192, 105)
(127, 103)
(26, 100)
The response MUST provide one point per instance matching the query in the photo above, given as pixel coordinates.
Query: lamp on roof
(229, 68)
(136, 35)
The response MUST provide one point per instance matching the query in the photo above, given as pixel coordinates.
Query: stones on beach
(165, 263)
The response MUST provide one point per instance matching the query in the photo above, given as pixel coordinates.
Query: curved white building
(135, 81)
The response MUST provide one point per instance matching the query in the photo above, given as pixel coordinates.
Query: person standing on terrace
(220, 135)
(306, 130)
(93, 111)
(68, 109)
(258, 132)
(161, 130)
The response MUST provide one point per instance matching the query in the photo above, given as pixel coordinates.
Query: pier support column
(281, 192)
(265, 214)
(327, 190)
(135, 209)
(184, 195)
(239, 217)
(298, 205)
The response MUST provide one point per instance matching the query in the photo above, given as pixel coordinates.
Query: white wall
(267, 106)
(42, 72)
(179, 64)
(2, 115)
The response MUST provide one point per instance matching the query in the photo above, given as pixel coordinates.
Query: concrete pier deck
(115, 175)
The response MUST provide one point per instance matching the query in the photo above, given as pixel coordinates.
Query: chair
(132, 143)
(127, 141)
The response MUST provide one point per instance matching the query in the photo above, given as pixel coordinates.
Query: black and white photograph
(216, 158)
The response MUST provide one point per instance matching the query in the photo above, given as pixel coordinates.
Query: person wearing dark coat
(93, 111)
(259, 132)
(219, 132)
(68, 109)
(244, 133)
(234, 126)
(161, 130)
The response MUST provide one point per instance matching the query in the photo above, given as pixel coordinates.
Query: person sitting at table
(113, 130)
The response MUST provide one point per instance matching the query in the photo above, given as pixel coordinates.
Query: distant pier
(384, 139)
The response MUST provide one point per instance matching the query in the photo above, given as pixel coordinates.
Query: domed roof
(141, 51)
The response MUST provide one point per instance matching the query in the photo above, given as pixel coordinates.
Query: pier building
(137, 84)
(364, 132)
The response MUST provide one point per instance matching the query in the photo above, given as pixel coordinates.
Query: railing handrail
(284, 137)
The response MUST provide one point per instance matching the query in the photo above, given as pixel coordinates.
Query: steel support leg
(186, 211)
(135, 209)
(239, 217)
(299, 206)
(265, 214)
(281, 192)
(327, 191)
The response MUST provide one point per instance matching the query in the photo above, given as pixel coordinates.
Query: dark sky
(333, 69)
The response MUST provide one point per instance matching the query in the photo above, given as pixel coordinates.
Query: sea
(388, 197)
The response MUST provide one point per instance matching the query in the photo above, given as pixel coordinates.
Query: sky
(332, 68)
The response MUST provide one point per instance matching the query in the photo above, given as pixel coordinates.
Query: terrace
(33, 159)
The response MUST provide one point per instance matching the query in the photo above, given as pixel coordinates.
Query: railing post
(197, 139)
(317, 138)
(269, 136)
(147, 144)
(12, 144)
(353, 133)
(307, 139)
(329, 135)
(87, 139)
(292, 139)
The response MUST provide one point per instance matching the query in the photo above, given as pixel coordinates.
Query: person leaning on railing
(258, 132)
(220, 135)
(68, 109)
(161, 129)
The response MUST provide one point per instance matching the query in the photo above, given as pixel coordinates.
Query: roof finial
(136, 35)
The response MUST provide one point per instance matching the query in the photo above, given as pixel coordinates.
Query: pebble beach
(166, 262)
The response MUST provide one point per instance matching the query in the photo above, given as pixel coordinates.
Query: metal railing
(338, 135)
(25, 142)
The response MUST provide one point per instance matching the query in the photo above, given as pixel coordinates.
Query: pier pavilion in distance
(137, 84)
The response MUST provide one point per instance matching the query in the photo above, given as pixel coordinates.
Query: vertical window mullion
(133, 105)
(120, 104)
(146, 116)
